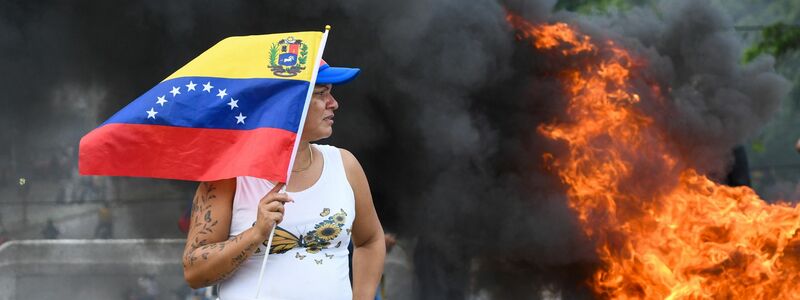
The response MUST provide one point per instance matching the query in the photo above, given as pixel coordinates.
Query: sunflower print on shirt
(314, 240)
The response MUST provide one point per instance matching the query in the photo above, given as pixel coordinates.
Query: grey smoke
(718, 101)
(443, 117)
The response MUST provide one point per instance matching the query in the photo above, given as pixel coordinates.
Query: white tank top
(310, 256)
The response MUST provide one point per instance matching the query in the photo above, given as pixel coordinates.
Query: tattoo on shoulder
(203, 222)
(208, 193)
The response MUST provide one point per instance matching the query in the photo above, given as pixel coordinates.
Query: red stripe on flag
(199, 154)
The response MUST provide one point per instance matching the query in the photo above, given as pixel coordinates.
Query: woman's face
(319, 119)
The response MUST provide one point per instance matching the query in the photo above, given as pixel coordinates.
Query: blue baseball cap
(335, 75)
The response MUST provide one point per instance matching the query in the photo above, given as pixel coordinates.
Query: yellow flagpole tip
(328, 27)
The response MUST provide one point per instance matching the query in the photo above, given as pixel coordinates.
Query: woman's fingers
(279, 197)
(274, 206)
(276, 216)
(273, 217)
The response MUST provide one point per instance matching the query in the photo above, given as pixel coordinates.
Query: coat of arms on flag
(288, 57)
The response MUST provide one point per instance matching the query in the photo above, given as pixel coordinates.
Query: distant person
(24, 189)
(3, 232)
(390, 240)
(797, 145)
(186, 218)
(86, 190)
(206, 293)
(148, 288)
(105, 226)
(2, 227)
(50, 231)
(740, 172)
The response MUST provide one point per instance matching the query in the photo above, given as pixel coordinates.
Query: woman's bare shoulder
(222, 183)
(223, 188)
(350, 161)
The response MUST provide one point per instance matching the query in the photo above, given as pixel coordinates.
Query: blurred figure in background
(797, 145)
(2, 227)
(206, 293)
(148, 288)
(740, 171)
(3, 232)
(105, 226)
(86, 190)
(390, 240)
(185, 220)
(50, 231)
(22, 195)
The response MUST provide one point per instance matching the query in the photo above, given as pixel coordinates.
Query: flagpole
(313, 81)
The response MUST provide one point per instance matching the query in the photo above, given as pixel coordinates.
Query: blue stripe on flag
(220, 103)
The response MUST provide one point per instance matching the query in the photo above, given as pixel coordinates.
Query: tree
(777, 39)
(593, 6)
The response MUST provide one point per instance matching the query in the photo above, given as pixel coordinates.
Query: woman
(328, 203)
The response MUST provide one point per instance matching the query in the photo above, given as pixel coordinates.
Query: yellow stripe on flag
(257, 56)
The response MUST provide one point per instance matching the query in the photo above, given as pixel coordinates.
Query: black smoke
(443, 117)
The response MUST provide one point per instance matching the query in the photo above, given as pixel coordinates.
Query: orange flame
(694, 239)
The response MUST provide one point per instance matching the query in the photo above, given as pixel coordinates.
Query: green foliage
(303, 54)
(758, 146)
(591, 6)
(758, 12)
(777, 40)
(273, 54)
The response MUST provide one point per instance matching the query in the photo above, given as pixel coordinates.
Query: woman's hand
(270, 210)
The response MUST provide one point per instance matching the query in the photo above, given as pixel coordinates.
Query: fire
(690, 238)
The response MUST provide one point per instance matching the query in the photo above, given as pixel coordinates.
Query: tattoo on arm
(201, 207)
(238, 259)
(203, 224)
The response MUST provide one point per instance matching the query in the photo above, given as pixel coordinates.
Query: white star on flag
(152, 113)
(175, 90)
(190, 86)
(233, 103)
(240, 118)
(162, 100)
(222, 93)
(207, 87)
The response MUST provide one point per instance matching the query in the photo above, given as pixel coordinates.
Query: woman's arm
(209, 255)
(370, 248)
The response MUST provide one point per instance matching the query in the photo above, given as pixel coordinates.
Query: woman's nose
(332, 103)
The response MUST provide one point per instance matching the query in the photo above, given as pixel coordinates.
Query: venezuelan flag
(235, 110)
